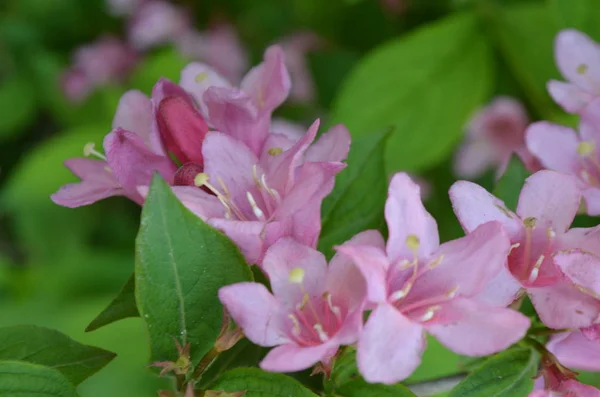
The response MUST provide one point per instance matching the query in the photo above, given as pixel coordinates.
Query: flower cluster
(263, 185)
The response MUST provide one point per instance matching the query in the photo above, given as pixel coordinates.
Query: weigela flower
(578, 349)
(562, 149)
(538, 230)
(256, 200)
(417, 285)
(296, 47)
(578, 59)
(555, 380)
(108, 60)
(493, 135)
(157, 22)
(313, 309)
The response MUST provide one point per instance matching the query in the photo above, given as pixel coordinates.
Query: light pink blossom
(296, 47)
(555, 380)
(313, 309)
(106, 61)
(578, 59)
(418, 285)
(576, 349)
(493, 135)
(157, 22)
(538, 230)
(243, 113)
(562, 149)
(220, 47)
(256, 200)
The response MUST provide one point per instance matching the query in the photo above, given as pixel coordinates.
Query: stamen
(412, 242)
(396, 296)
(529, 222)
(201, 77)
(514, 246)
(335, 310)
(223, 186)
(436, 262)
(255, 176)
(107, 169)
(550, 233)
(452, 293)
(201, 179)
(89, 150)
(296, 329)
(296, 275)
(275, 151)
(405, 264)
(582, 68)
(257, 211)
(322, 334)
(429, 313)
(536, 269)
(585, 148)
(300, 306)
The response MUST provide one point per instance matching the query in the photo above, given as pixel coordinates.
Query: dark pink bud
(186, 174)
(182, 129)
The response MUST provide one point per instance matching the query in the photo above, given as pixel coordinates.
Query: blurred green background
(60, 267)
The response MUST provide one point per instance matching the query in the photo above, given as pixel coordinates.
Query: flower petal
(582, 269)
(197, 77)
(134, 113)
(333, 145)
(373, 264)
(292, 358)
(473, 158)
(574, 350)
(474, 206)
(390, 346)
(591, 196)
(572, 98)
(578, 59)
(551, 198)
(256, 312)
(245, 234)
(406, 216)
(489, 329)
(554, 145)
(202, 204)
(282, 261)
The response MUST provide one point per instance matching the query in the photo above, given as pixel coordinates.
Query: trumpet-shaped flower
(312, 310)
(538, 230)
(577, 349)
(418, 285)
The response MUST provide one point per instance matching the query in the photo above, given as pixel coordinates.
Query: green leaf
(19, 379)
(360, 388)
(425, 84)
(51, 348)
(258, 383)
(508, 374)
(345, 368)
(525, 35)
(510, 184)
(17, 101)
(181, 263)
(579, 14)
(167, 63)
(123, 306)
(356, 203)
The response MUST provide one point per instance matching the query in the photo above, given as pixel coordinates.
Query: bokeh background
(60, 267)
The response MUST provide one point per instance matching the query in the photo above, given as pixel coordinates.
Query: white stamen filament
(536, 269)
(89, 150)
(322, 334)
(257, 211)
(429, 313)
(436, 262)
(452, 293)
(550, 233)
(514, 246)
(335, 310)
(296, 329)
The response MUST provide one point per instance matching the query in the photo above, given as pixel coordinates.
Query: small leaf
(181, 263)
(345, 368)
(18, 104)
(258, 383)
(20, 379)
(356, 203)
(425, 84)
(360, 388)
(123, 306)
(53, 349)
(509, 185)
(507, 374)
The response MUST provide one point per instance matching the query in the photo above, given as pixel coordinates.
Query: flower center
(523, 261)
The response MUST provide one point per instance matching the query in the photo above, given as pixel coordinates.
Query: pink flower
(493, 134)
(540, 228)
(567, 388)
(314, 308)
(577, 349)
(562, 149)
(555, 380)
(219, 47)
(295, 49)
(145, 132)
(256, 200)
(578, 59)
(106, 61)
(243, 113)
(157, 22)
(418, 285)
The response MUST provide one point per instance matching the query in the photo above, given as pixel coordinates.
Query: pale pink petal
(155, 23)
(574, 388)
(501, 290)
(473, 158)
(344, 280)
(482, 330)
(474, 206)
(334, 145)
(132, 162)
(291, 130)
(134, 113)
(274, 145)
(551, 198)
(294, 270)
(351, 329)
(268, 83)
(202, 204)
(390, 346)
(574, 350)
(406, 216)
(581, 268)
(561, 306)
(589, 126)
(592, 200)
(586, 239)
(292, 358)
(554, 145)
(256, 312)
(572, 98)
(197, 77)
(373, 264)
(592, 333)
(245, 234)
(578, 59)
(466, 264)
(96, 184)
